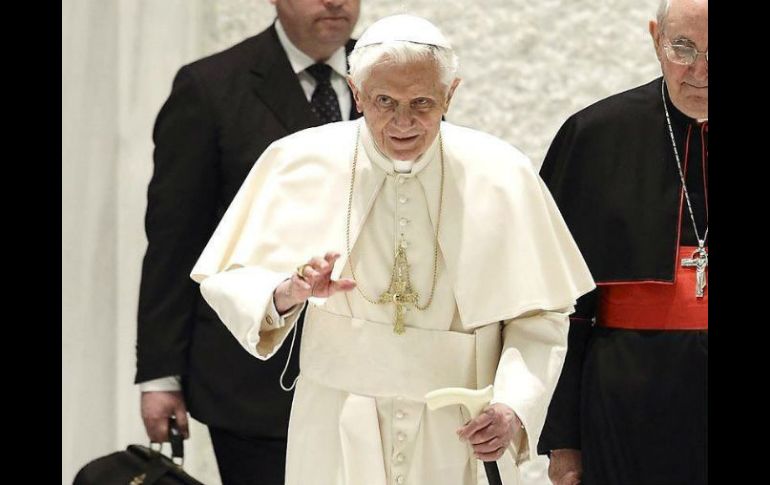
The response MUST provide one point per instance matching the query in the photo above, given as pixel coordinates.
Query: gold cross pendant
(400, 292)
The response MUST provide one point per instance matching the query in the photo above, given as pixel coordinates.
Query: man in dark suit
(223, 111)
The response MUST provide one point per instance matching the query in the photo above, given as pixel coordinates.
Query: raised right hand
(316, 281)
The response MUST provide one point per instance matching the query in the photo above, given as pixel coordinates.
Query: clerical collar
(390, 166)
(403, 166)
(300, 61)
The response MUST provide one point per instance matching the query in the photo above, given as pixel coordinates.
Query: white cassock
(509, 273)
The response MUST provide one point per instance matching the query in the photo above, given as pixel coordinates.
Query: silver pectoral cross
(700, 261)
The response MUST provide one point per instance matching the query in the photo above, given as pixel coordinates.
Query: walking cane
(474, 402)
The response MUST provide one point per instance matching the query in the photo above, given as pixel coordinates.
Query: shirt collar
(300, 61)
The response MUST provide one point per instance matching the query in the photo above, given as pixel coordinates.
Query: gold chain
(435, 240)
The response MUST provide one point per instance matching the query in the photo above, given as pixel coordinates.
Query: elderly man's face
(403, 105)
(325, 22)
(686, 24)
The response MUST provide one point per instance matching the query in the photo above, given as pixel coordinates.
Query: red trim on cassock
(704, 160)
(633, 282)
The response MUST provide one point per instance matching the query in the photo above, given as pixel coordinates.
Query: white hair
(663, 8)
(363, 59)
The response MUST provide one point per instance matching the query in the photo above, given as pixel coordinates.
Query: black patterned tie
(324, 101)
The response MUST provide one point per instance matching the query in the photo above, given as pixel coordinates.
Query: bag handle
(176, 440)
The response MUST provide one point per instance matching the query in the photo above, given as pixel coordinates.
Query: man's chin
(333, 31)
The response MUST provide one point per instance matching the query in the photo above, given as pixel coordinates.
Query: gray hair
(663, 8)
(363, 59)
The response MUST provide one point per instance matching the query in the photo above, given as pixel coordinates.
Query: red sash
(656, 306)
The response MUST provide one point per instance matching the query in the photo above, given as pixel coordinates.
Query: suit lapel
(276, 84)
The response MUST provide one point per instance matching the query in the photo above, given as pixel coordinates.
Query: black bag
(139, 465)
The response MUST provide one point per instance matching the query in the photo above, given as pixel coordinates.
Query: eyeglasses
(685, 55)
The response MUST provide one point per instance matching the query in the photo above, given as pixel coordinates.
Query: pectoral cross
(700, 263)
(400, 292)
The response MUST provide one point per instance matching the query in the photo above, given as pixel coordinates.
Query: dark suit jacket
(223, 111)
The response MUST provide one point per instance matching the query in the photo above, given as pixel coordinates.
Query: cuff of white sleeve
(162, 384)
(273, 330)
(520, 446)
(274, 320)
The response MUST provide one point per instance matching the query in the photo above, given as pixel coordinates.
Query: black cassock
(634, 401)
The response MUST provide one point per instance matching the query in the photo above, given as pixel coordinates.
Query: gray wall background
(526, 66)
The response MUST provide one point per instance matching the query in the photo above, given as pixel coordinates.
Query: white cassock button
(402, 199)
(403, 221)
(400, 436)
(400, 458)
(400, 479)
(401, 180)
(399, 398)
(400, 414)
(269, 319)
